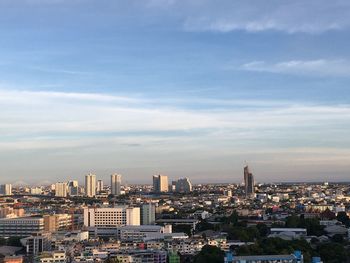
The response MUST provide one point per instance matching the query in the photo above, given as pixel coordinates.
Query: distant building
(99, 186)
(248, 182)
(37, 243)
(56, 222)
(52, 257)
(6, 189)
(296, 257)
(160, 183)
(148, 214)
(90, 185)
(116, 181)
(111, 217)
(73, 188)
(13, 259)
(21, 226)
(61, 189)
(183, 185)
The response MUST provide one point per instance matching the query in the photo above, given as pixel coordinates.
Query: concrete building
(56, 222)
(248, 182)
(160, 183)
(183, 185)
(296, 257)
(61, 189)
(52, 257)
(148, 214)
(111, 217)
(90, 185)
(37, 243)
(99, 186)
(13, 259)
(6, 189)
(20, 227)
(73, 188)
(116, 181)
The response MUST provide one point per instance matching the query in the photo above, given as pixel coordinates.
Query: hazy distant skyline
(184, 88)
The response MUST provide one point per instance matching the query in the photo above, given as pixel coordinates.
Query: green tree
(333, 253)
(210, 254)
(343, 217)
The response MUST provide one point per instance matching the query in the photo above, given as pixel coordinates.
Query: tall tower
(99, 186)
(116, 181)
(61, 189)
(248, 182)
(160, 183)
(90, 185)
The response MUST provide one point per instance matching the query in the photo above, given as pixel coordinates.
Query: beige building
(160, 183)
(54, 223)
(61, 189)
(90, 185)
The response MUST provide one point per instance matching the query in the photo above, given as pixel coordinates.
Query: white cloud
(28, 112)
(319, 67)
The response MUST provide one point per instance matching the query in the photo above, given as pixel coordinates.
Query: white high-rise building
(116, 181)
(61, 189)
(99, 186)
(183, 185)
(6, 189)
(148, 214)
(111, 217)
(160, 183)
(90, 185)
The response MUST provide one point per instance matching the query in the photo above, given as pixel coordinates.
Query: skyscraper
(61, 189)
(183, 185)
(116, 181)
(160, 183)
(99, 186)
(248, 182)
(90, 185)
(6, 189)
(73, 188)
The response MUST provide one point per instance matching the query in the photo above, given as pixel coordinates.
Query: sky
(186, 88)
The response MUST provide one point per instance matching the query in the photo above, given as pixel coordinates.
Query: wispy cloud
(319, 67)
(256, 16)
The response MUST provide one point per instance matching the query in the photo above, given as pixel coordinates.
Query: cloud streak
(319, 67)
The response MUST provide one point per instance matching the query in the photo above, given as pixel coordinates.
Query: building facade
(248, 182)
(160, 183)
(90, 185)
(116, 181)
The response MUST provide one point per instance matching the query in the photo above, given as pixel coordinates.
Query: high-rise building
(183, 185)
(148, 214)
(160, 183)
(6, 189)
(111, 217)
(90, 185)
(99, 186)
(248, 182)
(73, 188)
(116, 181)
(61, 189)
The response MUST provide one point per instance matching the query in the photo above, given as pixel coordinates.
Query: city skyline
(182, 88)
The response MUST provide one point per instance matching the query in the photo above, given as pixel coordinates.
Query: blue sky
(185, 88)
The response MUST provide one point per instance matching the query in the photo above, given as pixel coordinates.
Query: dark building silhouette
(248, 182)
